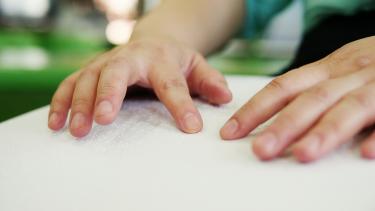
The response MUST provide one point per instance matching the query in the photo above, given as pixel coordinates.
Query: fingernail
(230, 128)
(267, 142)
(191, 123)
(104, 107)
(53, 119)
(78, 120)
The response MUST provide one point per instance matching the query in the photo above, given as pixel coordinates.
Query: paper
(143, 162)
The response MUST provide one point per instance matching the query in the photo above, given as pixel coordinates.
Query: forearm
(203, 25)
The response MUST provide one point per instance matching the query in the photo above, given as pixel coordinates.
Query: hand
(173, 71)
(322, 105)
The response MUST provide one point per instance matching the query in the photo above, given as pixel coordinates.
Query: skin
(320, 106)
(162, 55)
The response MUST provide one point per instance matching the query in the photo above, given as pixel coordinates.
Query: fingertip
(104, 113)
(303, 154)
(368, 150)
(79, 132)
(218, 92)
(104, 120)
(229, 130)
(55, 121)
(258, 151)
(80, 125)
(191, 123)
(224, 135)
(265, 146)
(226, 97)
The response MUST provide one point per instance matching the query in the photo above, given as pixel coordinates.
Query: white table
(142, 162)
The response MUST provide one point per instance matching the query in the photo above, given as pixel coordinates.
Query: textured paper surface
(142, 162)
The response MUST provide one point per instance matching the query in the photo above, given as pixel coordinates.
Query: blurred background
(43, 41)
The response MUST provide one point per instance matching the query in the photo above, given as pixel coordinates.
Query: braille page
(141, 162)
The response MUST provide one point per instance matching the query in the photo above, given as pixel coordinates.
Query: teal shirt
(260, 12)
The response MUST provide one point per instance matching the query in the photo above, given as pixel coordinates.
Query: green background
(24, 90)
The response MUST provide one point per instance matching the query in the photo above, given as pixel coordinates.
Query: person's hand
(322, 105)
(173, 71)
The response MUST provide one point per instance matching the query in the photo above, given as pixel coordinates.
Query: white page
(142, 162)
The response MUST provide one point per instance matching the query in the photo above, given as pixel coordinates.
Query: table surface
(142, 162)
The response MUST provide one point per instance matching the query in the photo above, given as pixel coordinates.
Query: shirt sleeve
(316, 10)
(259, 13)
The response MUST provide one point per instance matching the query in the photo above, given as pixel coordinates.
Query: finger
(208, 83)
(350, 58)
(271, 99)
(81, 116)
(171, 88)
(61, 102)
(353, 113)
(300, 115)
(116, 76)
(62, 99)
(368, 147)
(82, 103)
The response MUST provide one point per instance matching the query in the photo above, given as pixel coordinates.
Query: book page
(142, 162)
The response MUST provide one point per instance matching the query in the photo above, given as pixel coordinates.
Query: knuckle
(330, 66)
(346, 58)
(359, 99)
(173, 83)
(123, 63)
(68, 82)
(59, 103)
(345, 52)
(320, 93)
(255, 106)
(246, 108)
(108, 89)
(278, 84)
(81, 103)
(150, 48)
(89, 72)
(117, 61)
(362, 61)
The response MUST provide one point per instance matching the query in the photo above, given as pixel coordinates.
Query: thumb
(208, 83)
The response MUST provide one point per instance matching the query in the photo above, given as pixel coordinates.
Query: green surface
(24, 89)
(17, 103)
(247, 66)
(52, 42)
